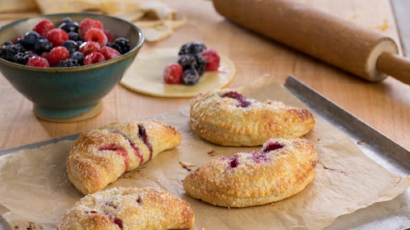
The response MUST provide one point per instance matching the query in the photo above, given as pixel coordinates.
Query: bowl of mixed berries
(65, 63)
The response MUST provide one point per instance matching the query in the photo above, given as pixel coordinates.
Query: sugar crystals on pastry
(225, 117)
(98, 157)
(129, 208)
(282, 168)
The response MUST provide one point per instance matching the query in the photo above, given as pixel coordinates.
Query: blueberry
(190, 76)
(42, 45)
(79, 43)
(29, 40)
(193, 48)
(22, 58)
(71, 45)
(73, 36)
(65, 20)
(69, 27)
(77, 55)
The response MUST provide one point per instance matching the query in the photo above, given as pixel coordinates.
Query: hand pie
(98, 157)
(129, 208)
(281, 169)
(225, 117)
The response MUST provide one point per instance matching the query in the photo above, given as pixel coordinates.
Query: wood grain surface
(384, 106)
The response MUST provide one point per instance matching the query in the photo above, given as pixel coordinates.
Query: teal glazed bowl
(64, 93)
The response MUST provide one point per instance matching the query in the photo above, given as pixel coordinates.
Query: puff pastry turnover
(282, 168)
(225, 117)
(98, 157)
(129, 208)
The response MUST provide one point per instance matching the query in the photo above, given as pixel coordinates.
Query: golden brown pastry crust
(98, 157)
(129, 208)
(225, 117)
(281, 169)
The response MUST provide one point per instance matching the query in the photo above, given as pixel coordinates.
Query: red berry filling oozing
(120, 151)
(142, 134)
(272, 146)
(233, 162)
(239, 97)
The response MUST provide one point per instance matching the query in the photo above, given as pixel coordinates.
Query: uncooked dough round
(145, 75)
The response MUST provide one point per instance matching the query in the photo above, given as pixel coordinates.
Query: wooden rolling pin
(365, 53)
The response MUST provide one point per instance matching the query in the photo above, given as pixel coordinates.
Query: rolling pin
(363, 52)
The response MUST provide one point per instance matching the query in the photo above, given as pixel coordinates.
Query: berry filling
(259, 157)
(120, 151)
(139, 201)
(272, 146)
(142, 134)
(239, 97)
(233, 162)
(118, 222)
(110, 204)
(134, 147)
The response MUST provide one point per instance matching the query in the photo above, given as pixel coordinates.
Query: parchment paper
(33, 184)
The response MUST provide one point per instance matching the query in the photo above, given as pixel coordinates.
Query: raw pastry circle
(282, 168)
(145, 75)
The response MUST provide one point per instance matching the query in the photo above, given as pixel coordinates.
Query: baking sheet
(291, 213)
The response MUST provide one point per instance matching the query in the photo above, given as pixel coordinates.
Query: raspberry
(212, 59)
(37, 61)
(93, 57)
(57, 36)
(190, 76)
(96, 35)
(43, 27)
(109, 53)
(45, 55)
(89, 47)
(173, 73)
(58, 54)
(108, 34)
(87, 24)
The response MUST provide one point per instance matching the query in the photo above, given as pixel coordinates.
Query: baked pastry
(129, 208)
(225, 117)
(279, 170)
(98, 157)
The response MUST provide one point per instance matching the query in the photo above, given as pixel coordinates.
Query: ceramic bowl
(63, 93)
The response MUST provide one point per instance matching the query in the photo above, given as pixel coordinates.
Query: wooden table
(384, 106)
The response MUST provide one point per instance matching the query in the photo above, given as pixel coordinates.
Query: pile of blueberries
(32, 44)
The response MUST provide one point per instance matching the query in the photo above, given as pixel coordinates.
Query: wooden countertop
(385, 106)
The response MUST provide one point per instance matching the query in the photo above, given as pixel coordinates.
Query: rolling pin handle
(394, 65)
